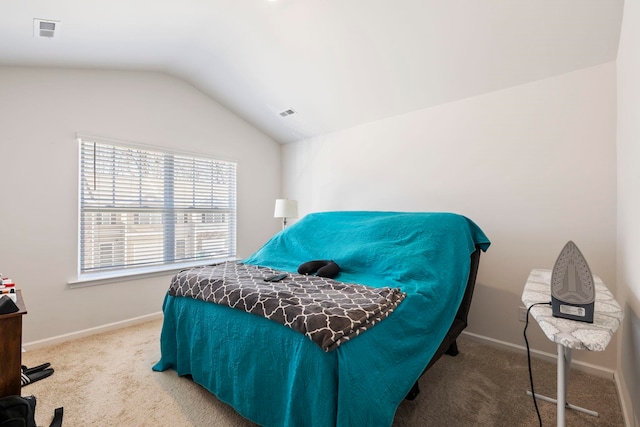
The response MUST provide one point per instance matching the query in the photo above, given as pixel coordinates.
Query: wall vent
(46, 29)
(286, 113)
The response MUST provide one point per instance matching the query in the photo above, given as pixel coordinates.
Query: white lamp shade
(286, 208)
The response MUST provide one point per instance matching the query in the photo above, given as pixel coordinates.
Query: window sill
(93, 279)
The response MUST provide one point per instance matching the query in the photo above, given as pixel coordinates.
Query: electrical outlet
(522, 314)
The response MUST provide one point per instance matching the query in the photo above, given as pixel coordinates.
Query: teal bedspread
(275, 376)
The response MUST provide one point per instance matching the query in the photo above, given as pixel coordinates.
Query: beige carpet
(106, 380)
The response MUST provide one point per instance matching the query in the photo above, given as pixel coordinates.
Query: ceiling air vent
(45, 28)
(286, 113)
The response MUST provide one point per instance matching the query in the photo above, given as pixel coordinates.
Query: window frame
(85, 278)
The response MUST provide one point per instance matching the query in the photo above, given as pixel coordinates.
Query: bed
(274, 375)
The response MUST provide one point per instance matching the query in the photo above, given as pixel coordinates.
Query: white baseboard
(627, 416)
(589, 368)
(91, 331)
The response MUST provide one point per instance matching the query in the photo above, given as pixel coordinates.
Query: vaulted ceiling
(336, 63)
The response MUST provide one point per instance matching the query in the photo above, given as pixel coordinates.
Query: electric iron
(572, 290)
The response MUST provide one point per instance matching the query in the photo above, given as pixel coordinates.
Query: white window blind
(141, 208)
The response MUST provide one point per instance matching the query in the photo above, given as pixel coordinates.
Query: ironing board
(571, 334)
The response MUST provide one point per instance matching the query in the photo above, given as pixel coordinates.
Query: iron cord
(533, 393)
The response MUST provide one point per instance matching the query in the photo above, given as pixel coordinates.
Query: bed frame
(449, 345)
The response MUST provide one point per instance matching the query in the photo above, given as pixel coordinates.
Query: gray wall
(40, 112)
(629, 208)
(534, 166)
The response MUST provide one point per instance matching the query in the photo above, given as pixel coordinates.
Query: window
(142, 208)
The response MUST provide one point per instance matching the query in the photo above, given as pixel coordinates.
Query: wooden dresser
(11, 349)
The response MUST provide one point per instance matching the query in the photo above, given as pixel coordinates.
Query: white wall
(533, 165)
(40, 112)
(629, 208)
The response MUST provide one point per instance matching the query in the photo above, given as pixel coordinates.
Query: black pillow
(322, 268)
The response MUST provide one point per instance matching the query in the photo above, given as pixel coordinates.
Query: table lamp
(285, 208)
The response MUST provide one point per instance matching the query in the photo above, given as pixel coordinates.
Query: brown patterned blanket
(325, 310)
